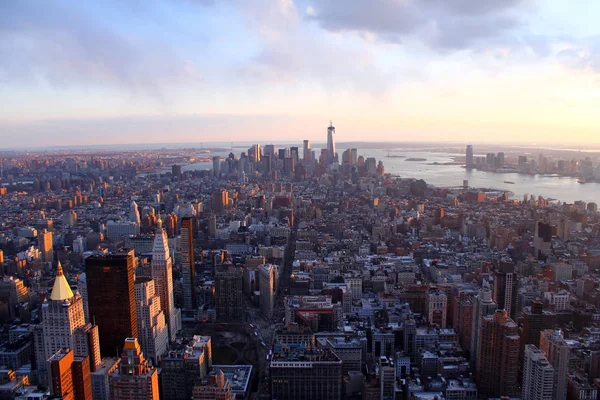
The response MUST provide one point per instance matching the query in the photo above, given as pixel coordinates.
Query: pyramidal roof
(60, 290)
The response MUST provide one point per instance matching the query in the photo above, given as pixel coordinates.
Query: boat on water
(581, 180)
(509, 182)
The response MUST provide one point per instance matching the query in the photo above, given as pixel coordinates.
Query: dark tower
(111, 298)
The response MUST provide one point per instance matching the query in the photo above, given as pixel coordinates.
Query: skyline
(515, 71)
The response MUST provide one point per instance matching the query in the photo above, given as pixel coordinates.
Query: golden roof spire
(61, 289)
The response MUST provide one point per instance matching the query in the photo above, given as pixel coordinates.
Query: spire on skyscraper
(61, 289)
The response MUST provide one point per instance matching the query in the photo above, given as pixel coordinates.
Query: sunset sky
(148, 71)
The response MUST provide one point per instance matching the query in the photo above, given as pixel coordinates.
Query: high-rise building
(498, 356)
(188, 268)
(331, 154)
(306, 151)
(469, 160)
(111, 298)
(220, 200)
(215, 387)
(62, 315)
(69, 376)
(505, 285)
(152, 327)
(553, 344)
(436, 307)
(216, 166)
(13, 291)
(134, 214)
(538, 375)
(300, 373)
(162, 274)
(82, 289)
(229, 301)
(176, 171)
(87, 342)
(535, 320)
(267, 289)
(483, 305)
(101, 376)
(46, 246)
(184, 366)
(135, 379)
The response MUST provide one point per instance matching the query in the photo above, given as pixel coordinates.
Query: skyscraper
(469, 160)
(306, 151)
(87, 342)
(535, 320)
(267, 289)
(498, 356)
(134, 214)
(188, 270)
(135, 379)
(162, 273)
(538, 375)
(62, 314)
(331, 154)
(184, 366)
(229, 301)
(69, 376)
(111, 298)
(483, 305)
(553, 344)
(152, 327)
(45, 245)
(505, 285)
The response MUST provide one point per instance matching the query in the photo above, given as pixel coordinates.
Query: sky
(162, 71)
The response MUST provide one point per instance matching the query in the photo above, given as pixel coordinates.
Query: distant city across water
(434, 172)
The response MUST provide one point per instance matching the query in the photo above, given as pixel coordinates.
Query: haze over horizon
(507, 71)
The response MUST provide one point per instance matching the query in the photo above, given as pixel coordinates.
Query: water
(560, 188)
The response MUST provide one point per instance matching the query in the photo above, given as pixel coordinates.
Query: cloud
(442, 25)
(584, 57)
(66, 44)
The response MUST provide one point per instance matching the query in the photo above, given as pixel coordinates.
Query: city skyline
(508, 72)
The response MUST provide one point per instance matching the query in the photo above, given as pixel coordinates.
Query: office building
(176, 171)
(470, 164)
(134, 214)
(299, 373)
(331, 154)
(111, 298)
(188, 267)
(267, 289)
(215, 387)
(86, 341)
(306, 151)
(505, 285)
(535, 320)
(162, 274)
(62, 315)
(100, 378)
(483, 305)
(348, 350)
(153, 334)
(82, 289)
(134, 379)
(556, 349)
(538, 375)
(184, 366)
(45, 245)
(69, 376)
(13, 291)
(498, 356)
(229, 301)
(436, 307)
